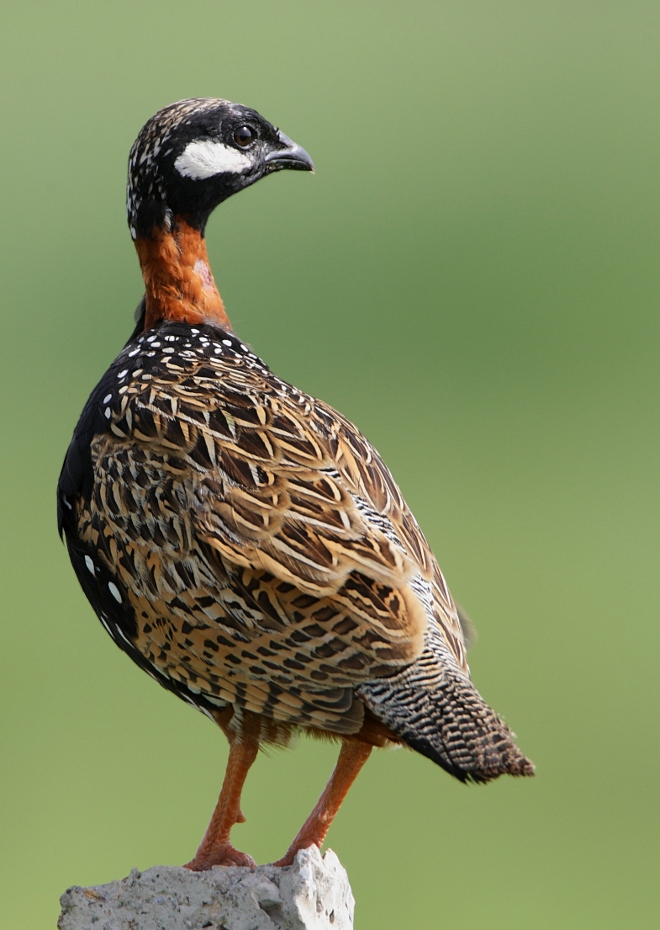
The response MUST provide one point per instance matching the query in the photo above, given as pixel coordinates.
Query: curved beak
(291, 155)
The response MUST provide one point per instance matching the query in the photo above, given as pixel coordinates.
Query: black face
(194, 154)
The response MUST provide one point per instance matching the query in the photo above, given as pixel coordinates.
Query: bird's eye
(243, 136)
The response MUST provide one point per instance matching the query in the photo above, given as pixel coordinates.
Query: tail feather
(437, 711)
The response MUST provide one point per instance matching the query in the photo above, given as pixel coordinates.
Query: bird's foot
(292, 851)
(221, 855)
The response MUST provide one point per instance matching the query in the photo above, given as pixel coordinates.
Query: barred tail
(443, 717)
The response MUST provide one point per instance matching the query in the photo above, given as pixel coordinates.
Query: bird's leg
(215, 848)
(353, 755)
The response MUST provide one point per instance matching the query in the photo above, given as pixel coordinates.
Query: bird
(241, 540)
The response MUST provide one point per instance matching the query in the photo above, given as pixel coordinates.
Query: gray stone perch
(312, 893)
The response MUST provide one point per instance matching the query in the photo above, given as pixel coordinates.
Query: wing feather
(290, 548)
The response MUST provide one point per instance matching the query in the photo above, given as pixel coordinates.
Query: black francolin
(242, 541)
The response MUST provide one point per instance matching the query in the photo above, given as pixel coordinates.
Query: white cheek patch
(205, 158)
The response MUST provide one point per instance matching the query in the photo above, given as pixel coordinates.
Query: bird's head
(196, 153)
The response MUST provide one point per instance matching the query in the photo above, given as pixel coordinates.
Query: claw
(223, 855)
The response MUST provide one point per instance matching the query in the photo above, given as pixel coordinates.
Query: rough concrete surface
(312, 893)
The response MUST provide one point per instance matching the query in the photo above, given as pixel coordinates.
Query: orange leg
(215, 848)
(353, 755)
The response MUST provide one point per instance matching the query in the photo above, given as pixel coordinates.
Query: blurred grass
(470, 276)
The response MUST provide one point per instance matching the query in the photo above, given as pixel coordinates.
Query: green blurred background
(471, 277)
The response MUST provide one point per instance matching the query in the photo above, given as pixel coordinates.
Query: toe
(224, 855)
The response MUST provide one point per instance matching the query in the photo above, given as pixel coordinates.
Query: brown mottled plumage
(242, 541)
